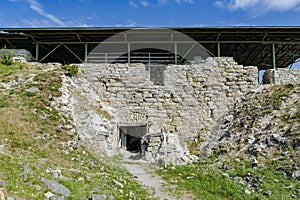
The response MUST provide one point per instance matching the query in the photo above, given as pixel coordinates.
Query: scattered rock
(99, 197)
(55, 173)
(118, 183)
(296, 175)
(253, 162)
(32, 90)
(268, 193)
(56, 187)
(57, 198)
(247, 191)
(48, 195)
(2, 194)
(3, 183)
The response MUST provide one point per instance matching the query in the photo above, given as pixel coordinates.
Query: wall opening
(130, 137)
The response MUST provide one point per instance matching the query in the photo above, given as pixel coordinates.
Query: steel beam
(85, 52)
(128, 52)
(73, 53)
(187, 52)
(37, 48)
(50, 52)
(219, 49)
(9, 42)
(175, 53)
(172, 42)
(274, 56)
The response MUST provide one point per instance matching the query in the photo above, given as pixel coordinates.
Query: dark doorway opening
(130, 137)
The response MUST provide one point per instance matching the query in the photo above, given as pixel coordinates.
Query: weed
(6, 58)
(70, 70)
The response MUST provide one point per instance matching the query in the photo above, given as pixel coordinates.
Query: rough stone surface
(3, 183)
(32, 90)
(2, 194)
(57, 198)
(56, 187)
(281, 76)
(186, 99)
(99, 197)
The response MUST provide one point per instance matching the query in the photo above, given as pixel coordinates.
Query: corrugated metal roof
(249, 45)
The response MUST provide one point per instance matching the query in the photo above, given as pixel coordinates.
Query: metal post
(175, 52)
(274, 56)
(219, 49)
(128, 52)
(37, 52)
(85, 52)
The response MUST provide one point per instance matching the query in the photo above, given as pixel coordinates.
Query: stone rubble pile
(157, 151)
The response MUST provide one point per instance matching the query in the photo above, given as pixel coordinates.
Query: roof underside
(250, 46)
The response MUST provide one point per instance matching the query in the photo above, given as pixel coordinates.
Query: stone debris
(56, 187)
(32, 90)
(2, 194)
(118, 184)
(99, 197)
(3, 183)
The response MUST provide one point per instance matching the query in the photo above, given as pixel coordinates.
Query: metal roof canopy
(265, 47)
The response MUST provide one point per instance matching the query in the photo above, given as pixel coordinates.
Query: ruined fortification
(127, 106)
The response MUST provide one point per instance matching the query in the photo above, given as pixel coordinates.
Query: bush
(6, 58)
(71, 70)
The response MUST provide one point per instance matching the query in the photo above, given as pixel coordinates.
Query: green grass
(32, 138)
(206, 181)
(224, 175)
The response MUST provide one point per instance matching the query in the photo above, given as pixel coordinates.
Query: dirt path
(151, 181)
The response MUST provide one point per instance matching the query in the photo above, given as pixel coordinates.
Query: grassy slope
(227, 173)
(33, 143)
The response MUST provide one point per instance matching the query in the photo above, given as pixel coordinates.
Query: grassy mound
(255, 154)
(36, 142)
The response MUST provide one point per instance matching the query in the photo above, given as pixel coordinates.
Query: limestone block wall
(282, 76)
(192, 96)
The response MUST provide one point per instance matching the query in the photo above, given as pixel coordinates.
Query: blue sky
(148, 13)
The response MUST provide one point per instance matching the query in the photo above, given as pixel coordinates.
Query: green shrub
(6, 58)
(71, 70)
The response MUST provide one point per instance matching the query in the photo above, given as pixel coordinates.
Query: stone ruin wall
(192, 97)
(282, 76)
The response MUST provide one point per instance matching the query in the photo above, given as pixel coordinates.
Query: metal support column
(85, 52)
(219, 49)
(128, 52)
(37, 52)
(175, 52)
(274, 55)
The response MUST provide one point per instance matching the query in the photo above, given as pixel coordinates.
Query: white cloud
(133, 4)
(148, 3)
(38, 8)
(184, 1)
(144, 3)
(261, 5)
(129, 23)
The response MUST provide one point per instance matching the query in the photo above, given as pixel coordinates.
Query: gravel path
(151, 181)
